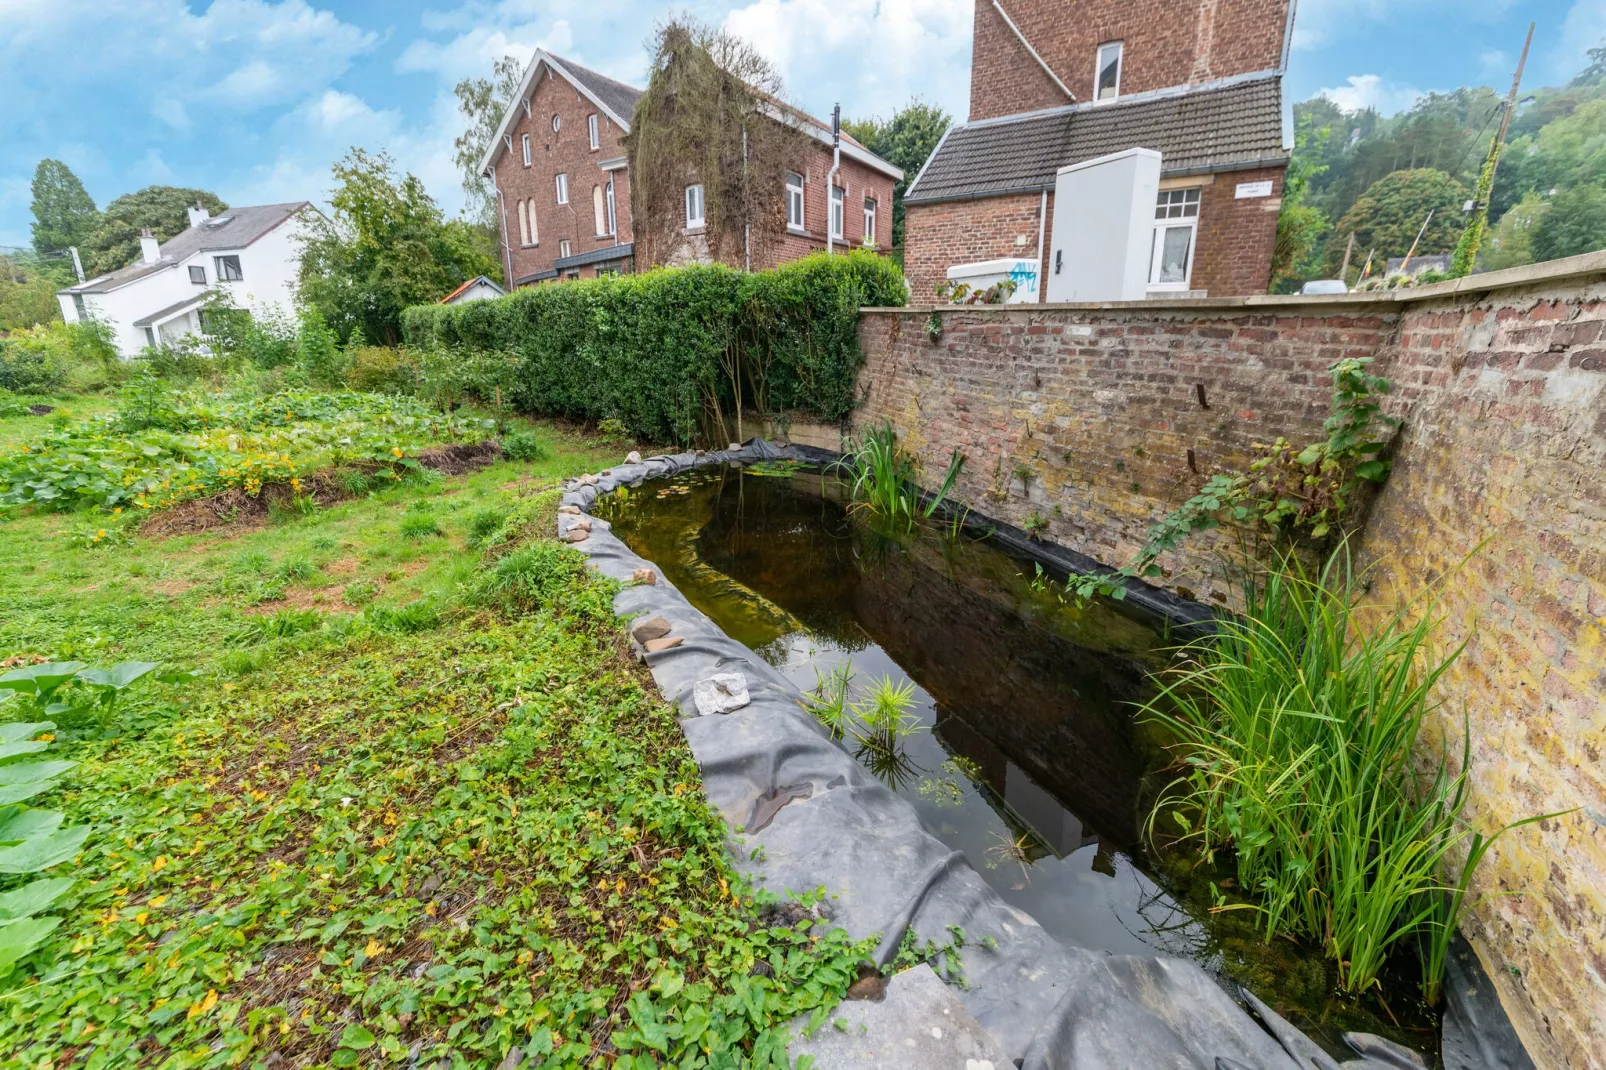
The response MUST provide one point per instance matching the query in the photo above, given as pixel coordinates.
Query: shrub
(523, 446)
(483, 523)
(39, 360)
(671, 351)
(530, 576)
(421, 615)
(381, 370)
(418, 525)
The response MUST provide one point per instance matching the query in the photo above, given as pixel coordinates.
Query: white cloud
(1372, 91)
(1321, 22)
(1583, 28)
(872, 55)
(154, 169)
(172, 112)
(1493, 62)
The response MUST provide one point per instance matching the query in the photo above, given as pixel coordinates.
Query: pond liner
(1052, 1006)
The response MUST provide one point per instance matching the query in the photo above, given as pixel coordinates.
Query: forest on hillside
(1378, 178)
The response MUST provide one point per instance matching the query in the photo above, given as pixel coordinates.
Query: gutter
(1035, 187)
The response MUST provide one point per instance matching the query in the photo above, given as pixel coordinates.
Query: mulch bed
(236, 510)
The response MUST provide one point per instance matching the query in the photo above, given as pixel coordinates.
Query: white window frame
(593, 133)
(838, 213)
(794, 198)
(869, 220)
(599, 210)
(613, 217)
(1118, 47)
(695, 213)
(562, 181)
(565, 248)
(1174, 209)
(557, 123)
(524, 140)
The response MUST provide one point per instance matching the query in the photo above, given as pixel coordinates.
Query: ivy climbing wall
(1093, 422)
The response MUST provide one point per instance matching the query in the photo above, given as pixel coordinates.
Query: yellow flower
(396, 450)
(373, 948)
(117, 510)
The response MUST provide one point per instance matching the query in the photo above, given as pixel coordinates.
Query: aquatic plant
(1298, 733)
(885, 480)
(882, 720)
(1016, 849)
(829, 702)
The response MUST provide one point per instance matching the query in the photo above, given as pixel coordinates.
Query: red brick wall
(1166, 43)
(1232, 257)
(857, 182)
(1497, 497)
(568, 151)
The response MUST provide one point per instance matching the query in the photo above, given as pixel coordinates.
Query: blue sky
(255, 98)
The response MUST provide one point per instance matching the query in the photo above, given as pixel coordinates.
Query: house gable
(613, 98)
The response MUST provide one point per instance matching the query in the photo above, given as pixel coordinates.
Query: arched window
(599, 209)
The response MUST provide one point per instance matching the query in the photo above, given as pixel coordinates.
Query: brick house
(563, 183)
(1053, 84)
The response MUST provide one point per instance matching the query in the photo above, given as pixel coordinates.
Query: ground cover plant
(421, 807)
(164, 445)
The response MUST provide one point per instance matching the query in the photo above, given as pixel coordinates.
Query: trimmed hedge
(667, 352)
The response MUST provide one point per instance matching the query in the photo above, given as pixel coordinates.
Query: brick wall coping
(1571, 269)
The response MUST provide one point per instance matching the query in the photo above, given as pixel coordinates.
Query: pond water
(1029, 758)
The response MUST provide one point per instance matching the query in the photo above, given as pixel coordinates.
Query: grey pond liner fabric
(1052, 1006)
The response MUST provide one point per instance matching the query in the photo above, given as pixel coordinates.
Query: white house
(479, 288)
(250, 254)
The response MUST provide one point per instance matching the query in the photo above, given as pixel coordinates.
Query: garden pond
(1028, 757)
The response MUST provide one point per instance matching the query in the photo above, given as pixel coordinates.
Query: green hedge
(667, 352)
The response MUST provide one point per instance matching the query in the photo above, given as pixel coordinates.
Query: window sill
(799, 231)
(692, 230)
(531, 245)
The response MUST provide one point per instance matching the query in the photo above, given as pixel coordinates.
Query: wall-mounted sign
(1253, 189)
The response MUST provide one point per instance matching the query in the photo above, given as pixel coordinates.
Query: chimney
(150, 250)
(198, 215)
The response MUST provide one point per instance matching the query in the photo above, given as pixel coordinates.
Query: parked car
(1324, 286)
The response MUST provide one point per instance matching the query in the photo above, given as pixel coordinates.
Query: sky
(254, 99)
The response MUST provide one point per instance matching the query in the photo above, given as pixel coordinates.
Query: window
(838, 224)
(227, 268)
(525, 140)
(599, 210)
(591, 129)
(613, 222)
(524, 224)
(563, 189)
(529, 213)
(564, 249)
(1107, 79)
(794, 201)
(869, 221)
(556, 122)
(198, 274)
(1176, 217)
(694, 205)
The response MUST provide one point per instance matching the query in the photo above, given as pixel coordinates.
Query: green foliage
(418, 525)
(523, 446)
(1300, 226)
(386, 247)
(1389, 215)
(318, 351)
(182, 445)
(1574, 224)
(51, 356)
(115, 241)
(829, 700)
(907, 139)
(886, 480)
(483, 101)
(1511, 243)
(63, 213)
(530, 576)
(28, 288)
(1299, 732)
(668, 352)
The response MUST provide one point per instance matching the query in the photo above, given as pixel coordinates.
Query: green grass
(1299, 726)
(420, 802)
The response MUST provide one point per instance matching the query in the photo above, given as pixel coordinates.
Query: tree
(1511, 241)
(1576, 223)
(385, 248)
(713, 114)
(1596, 71)
(27, 292)
(907, 139)
(483, 101)
(164, 209)
(63, 212)
(1300, 226)
(1387, 217)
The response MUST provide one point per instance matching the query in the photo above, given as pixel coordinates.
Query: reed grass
(885, 480)
(1299, 726)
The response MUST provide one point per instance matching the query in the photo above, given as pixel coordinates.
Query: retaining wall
(1101, 418)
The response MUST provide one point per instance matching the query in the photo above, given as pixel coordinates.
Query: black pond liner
(1051, 1005)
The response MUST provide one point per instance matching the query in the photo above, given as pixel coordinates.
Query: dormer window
(1107, 76)
(591, 130)
(526, 142)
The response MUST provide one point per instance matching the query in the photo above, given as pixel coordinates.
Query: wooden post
(1343, 270)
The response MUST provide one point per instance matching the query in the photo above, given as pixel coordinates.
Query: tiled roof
(619, 98)
(475, 281)
(233, 229)
(1207, 129)
(163, 315)
(595, 256)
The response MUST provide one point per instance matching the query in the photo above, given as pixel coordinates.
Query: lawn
(421, 807)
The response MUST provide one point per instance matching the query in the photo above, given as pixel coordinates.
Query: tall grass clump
(885, 480)
(1298, 726)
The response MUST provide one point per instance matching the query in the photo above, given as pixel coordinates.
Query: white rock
(633, 457)
(720, 693)
(588, 480)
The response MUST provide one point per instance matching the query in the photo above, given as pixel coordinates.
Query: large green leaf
(18, 938)
(10, 733)
(23, 746)
(33, 897)
(18, 823)
(31, 772)
(31, 856)
(40, 679)
(118, 676)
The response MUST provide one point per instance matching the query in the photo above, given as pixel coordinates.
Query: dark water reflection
(1030, 762)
